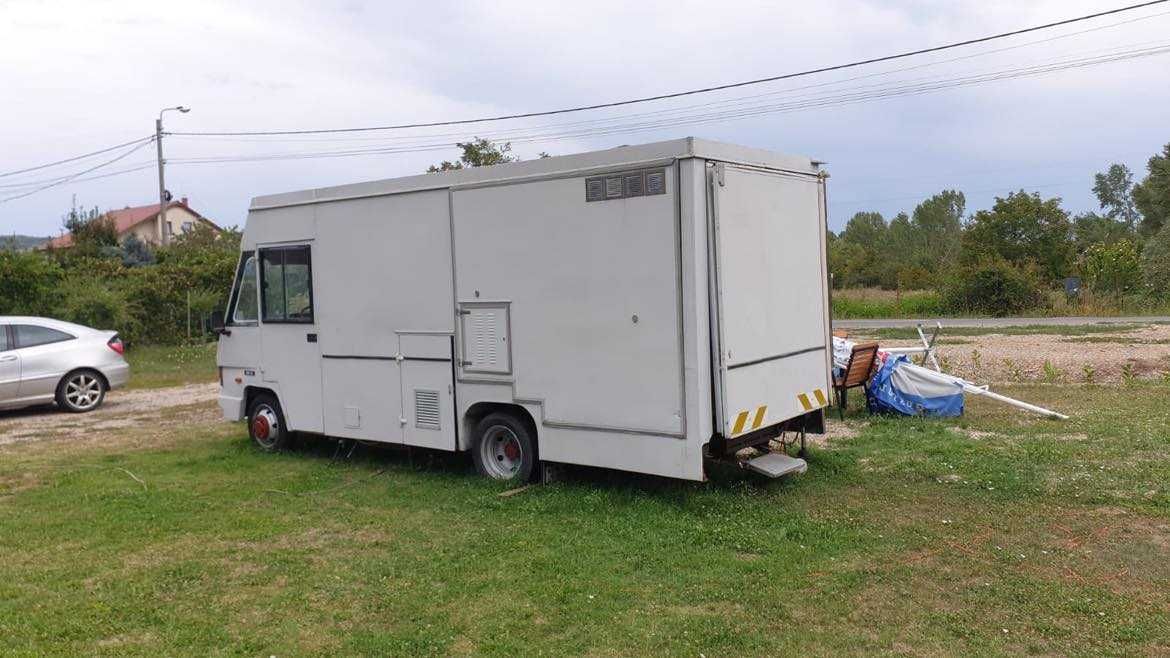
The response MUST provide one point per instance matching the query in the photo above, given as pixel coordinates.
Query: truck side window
(244, 304)
(287, 285)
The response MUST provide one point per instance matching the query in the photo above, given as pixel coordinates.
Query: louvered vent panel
(484, 338)
(656, 182)
(613, 187)
(634, 184)
(426, 409)
(595, 189)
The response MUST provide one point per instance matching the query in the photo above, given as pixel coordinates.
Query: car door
(44, 357)
(9, 366)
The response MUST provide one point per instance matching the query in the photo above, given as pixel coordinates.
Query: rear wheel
(266, 423)
(81, 391)
(504, 448)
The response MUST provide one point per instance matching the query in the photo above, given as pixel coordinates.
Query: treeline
(1016, 256)
(148, 294)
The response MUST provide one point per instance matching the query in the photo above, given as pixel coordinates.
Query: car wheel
(266, 423)
(81, 391)
(504, 449)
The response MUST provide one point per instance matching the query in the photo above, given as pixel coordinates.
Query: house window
(286, 285)
(188, 226)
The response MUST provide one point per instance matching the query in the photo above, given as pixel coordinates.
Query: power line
(78, 174)
(34, 183)
(78, 157)
(846, 96)
(691, 92)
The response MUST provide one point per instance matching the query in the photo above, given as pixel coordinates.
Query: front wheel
(81, 391)
(266, 423)
(504, 448)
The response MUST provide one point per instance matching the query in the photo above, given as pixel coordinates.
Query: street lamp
(162, 187)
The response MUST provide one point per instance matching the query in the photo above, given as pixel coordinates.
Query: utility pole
(162, 186)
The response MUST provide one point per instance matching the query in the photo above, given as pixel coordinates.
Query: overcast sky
(80, 76)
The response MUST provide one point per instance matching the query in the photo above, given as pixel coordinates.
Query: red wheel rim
(260, 427)
(512, 449)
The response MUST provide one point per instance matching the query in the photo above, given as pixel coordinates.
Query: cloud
(83, 75)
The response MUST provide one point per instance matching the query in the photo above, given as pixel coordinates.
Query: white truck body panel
(610, 321)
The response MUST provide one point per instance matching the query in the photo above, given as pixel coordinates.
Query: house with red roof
(142, 222)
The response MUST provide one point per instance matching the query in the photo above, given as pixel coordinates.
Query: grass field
(999, 533)
(156, 366)
(1070, 332)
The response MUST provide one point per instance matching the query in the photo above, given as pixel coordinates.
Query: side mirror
(216, 323)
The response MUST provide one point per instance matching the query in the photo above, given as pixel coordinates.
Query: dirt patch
(836, 432)
(121, 410)
(1109, 357)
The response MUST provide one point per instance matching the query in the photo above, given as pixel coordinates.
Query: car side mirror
(216, 323)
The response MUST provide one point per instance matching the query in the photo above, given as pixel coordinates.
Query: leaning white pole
(968, 387)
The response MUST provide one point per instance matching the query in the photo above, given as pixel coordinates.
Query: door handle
(10, 357)
(312, 338)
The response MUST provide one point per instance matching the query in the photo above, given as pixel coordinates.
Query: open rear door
(770, 296)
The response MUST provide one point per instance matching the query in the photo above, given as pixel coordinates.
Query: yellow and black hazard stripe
(753, 419)
(806, 402)
(741, 420)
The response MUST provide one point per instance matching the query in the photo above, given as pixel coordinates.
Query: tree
(90, 231)
(135, 252)
(480, 152)
(1114, 190)
(1023, 230)
(28, 282)
(938, 228)
(861, 250)
(1156, 264)
(1152, 195)
(1091, 229)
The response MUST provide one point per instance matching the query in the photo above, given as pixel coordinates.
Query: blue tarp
(899, 390)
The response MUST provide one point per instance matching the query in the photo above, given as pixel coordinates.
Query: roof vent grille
(625, 185)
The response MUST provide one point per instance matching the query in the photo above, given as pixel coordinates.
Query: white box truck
(640, 308)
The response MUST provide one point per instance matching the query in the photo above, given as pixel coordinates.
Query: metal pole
(162, 188)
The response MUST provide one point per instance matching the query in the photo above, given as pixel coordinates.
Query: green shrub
(1156, 264)
(992, 287)
(1113, 269)
(28, 283)
(95, 303)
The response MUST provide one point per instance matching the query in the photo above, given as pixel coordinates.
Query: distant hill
(23, 242)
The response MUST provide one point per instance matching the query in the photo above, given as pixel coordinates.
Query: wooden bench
(861, 361)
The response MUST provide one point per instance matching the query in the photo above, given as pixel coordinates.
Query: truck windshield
(245, 294)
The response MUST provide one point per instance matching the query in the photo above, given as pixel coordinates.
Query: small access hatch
(777, 464)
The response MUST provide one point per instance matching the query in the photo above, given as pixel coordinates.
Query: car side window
(4, 346)
(286, 285)
(31, 335)
(244, 304)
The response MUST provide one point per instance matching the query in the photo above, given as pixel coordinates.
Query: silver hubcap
(83, 391)
(501, 453)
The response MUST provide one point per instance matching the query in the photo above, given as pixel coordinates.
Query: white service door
(771, 297)
(288, 333)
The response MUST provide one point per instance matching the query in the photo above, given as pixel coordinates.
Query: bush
(95, 304)
(1156, 264)
(992, 287)
(28, 283)
(1113, 269)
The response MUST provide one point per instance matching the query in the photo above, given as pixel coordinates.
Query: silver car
(44, 360)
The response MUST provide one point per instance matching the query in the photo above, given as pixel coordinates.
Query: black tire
(81, 391)
(266, 424)
(504, 449)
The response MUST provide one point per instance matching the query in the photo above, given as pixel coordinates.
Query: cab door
(291, 355)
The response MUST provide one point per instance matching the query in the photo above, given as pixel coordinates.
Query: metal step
(777, 464)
